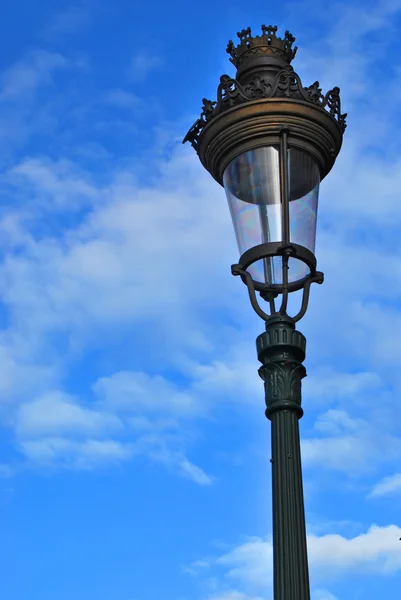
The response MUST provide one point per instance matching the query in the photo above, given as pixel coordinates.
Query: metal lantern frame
(285, 248)
(267, 105)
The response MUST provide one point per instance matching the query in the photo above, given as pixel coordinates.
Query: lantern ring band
(270, 249)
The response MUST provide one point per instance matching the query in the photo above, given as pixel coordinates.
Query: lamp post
(270, 141)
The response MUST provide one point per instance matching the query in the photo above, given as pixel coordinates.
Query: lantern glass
(252, 185)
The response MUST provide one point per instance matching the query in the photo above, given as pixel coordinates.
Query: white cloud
(196, 567)
(142, 63)
(377, 551)
(67, 276)
(234, 595)
(388, 485)
(66, 453)
(35, 100)
(323, 595)
(66, 22)
(167, 447)
(24, 77)
(56, 414)
(236, 377)
(250, 563)
(348, 454)
(332, 58)
(122, 99)
(53, 185)
(335, 422)
(194, 472)
(75, 439)
(55, 431)
(323, 385)
(20, 374)
(139, 392)
(351, 445)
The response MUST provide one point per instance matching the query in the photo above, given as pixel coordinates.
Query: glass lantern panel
(304, 179)
(252, 185)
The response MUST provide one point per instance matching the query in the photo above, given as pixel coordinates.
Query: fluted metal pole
(281, 350)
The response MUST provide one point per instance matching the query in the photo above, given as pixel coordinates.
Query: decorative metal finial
(261, 45)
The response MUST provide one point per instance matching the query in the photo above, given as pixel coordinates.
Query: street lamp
(270, 141)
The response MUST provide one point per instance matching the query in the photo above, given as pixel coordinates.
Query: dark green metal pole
(281, 350)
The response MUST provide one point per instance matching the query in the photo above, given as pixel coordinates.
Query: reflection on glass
(252, 185)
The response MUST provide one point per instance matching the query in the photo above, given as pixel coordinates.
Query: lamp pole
(270, 141)
(281, 350)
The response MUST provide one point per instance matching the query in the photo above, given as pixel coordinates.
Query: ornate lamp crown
(271, 78)
(259, 45)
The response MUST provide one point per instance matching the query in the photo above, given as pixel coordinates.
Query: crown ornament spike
(245, 34)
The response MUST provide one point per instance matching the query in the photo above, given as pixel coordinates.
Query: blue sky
(134, 449)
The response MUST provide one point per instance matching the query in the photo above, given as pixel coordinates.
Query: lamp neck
(281, 350)
(263, 67)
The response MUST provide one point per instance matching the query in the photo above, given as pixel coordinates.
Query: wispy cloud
(123, 99)
(233, 595)
(248, 568)
(130, 392)
(68, 22)
(387, 486)
(24, 77)
(351, 445)
(142, 64)
(56, 414)
(50, 453)
(52, 184)
(323, 595)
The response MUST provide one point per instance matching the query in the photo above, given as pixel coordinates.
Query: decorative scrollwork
(193, 134)
(286, 85)
(207, 109)
(314, 93)
(229, 93)
(333, 103)
(258, 88)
